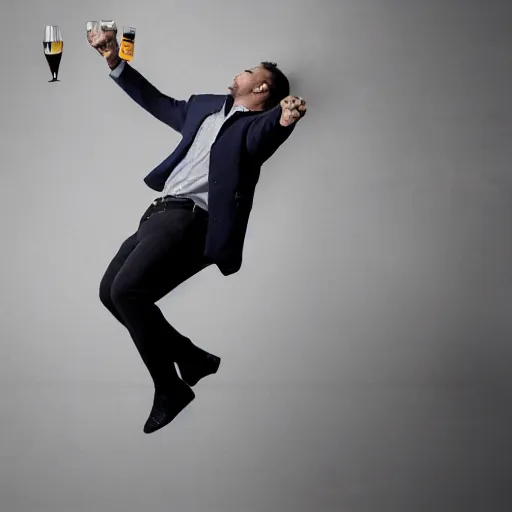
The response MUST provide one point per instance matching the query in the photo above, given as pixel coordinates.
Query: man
(200, 218)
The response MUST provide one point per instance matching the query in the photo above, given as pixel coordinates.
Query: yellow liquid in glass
(126, 49)
(54, 47)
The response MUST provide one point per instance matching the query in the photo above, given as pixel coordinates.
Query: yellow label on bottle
(54, 47)
(126, 49)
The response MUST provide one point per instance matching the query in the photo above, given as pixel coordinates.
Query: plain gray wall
(366, 340)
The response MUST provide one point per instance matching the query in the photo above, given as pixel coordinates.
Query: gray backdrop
(366, 341)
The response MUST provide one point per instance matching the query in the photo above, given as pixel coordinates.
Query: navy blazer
(244, 143)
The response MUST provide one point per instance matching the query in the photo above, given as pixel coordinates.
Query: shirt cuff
(116, 72)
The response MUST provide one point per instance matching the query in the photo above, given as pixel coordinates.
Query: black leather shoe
(167, 404)
(200, 365)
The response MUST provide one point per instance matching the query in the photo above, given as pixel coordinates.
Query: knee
(118, 293)
(105, 292)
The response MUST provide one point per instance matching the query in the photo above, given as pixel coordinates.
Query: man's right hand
(105, 42)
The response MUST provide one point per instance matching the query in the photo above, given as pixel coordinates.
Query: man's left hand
(293, 108)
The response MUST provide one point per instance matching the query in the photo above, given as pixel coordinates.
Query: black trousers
(166, 250)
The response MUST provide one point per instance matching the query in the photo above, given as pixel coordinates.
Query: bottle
(127, 44)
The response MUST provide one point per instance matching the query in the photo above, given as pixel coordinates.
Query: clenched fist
(293, 109)
(105, 42)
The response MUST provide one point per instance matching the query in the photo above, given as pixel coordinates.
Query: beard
(233, 89)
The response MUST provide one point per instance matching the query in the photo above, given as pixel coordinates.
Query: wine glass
(53, 45)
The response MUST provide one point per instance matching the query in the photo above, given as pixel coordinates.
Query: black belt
(162, 203)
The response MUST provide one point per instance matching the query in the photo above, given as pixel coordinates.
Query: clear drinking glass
(93, 26)
(53, 45)
(102, 35)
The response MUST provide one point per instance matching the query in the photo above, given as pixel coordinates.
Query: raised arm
(170, 111)
(269, 130)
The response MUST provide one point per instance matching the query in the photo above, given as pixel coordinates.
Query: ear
(262, 88)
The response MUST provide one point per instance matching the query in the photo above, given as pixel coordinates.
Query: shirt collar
(228, 106)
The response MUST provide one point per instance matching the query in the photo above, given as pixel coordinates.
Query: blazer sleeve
(265, 134)
(166, 109)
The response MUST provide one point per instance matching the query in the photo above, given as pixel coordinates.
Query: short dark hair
(279, 86)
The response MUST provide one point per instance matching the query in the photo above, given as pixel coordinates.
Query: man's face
(250, 79)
